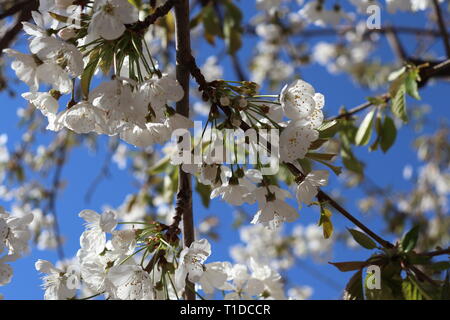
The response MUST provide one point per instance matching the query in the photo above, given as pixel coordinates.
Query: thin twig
(159, 12)
(359, 108)
(436, 252)
(442, 27)
(396, 44)
(56, 183)
(12, 33)
(104, 173)
(15, 9)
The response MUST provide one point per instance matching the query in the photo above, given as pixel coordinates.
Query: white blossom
(110, 17)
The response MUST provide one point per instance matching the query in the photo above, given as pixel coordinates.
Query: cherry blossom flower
(191, 262)
(43, 101)
(94, 237)
(307, 189)
(130, 282)
(25, 67)
(110, 17)
(272, 207)
(213, 277)
(6, 271)
(233, 192)
(55, 282)
(243, 285)
(295, 140)
(14, 232)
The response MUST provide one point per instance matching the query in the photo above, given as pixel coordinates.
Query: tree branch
(359, 108)
(183, 54)
(442, 27)
(15, 9)
(435, 70)
(436, 253)
(52, 196)
(395, 44)
(11, 34)
(159, 12)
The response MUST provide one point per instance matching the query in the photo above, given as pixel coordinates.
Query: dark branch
(184, 56)
(159, 12)
(442, 27)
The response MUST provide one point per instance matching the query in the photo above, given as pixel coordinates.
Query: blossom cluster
(65, 49)
(297, 113)
(14, 237)
(118, 264)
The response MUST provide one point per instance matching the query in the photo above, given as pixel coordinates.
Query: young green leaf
(328, 129)
(398, 104)
(396, 74)
(409, 241)
(211, 24)
(232, 28)
(349, 265)
(365, 129)
(136, 3)
(325, 222)
(354, 288)
(204, 191)
(388, 134)
(89, 71)
(411, 84)
(363, 239)
(320, 156)
(410, 290)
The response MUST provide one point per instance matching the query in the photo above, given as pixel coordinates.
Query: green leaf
(320, 156)
(328, 129)
(410, 291)
(305, 164)
(160, 166)
(378, 125)
(411, 84)
(204, 191)
(410, 239)
(195, 21)
(422, 293)
(352, 164)
(325, 222)
(377, 101)
(336, 169)
(388, 134)
(349, 265)
(232, 28)
(365, 129)
(354, 288)
(396, 74)
(398, 104)
(440, 266)
(89, 71)
(136, 3)
(363, 239)
(211, 24)
(317, 144)
(58, 17)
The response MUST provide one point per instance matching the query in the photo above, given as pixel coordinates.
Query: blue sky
(339, 90)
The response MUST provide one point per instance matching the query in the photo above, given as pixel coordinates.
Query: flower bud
(67, 33)
(224, 101)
